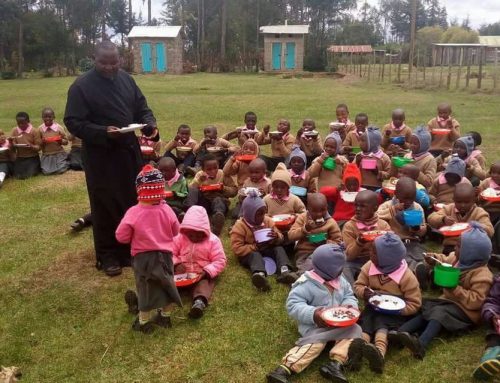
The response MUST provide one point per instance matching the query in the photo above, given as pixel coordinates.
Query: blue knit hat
(424, 138)
(390, 252)
(374, 138)
(475, 247)
(455, 166)
(250, 205)
(296, 152)
(335, 136)
(468, 141)
(328, 261)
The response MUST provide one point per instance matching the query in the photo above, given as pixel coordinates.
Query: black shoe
(374, 357)
(333, 371)
(162, 320)
(413, 344)
(146, 328)
(355, 354)
(393, 340)
(279, 375)
(422, 275)
(218, 220)
(260, 281)
(197, 309)
(132, 302)
(78, 225)
(288, 277)
(113, 271)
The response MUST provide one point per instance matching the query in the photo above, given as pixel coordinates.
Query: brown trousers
(203, 289)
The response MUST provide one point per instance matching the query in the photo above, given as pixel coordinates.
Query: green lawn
(61, 321)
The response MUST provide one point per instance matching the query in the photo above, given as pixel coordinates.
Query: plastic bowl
(311, 133)
(316, 237)
(52, 139)
(491, 195)
(413, 217)
(214, 187)
(441, 132)
(283, 221)
(249, 132)
(182, 280)
(245, 157)
(335, 126)
(368, 163)
(262, 235)
(329, 163)
(356, 149)
(215, 149)
(372, 234)
(299, 191)
(398, 140)
(275, 134)
(147, 150)
(445, 276)
(330, 316)
(185, 149)
(348, 196)
(387, 304)
(389, 185)
(169, 194)
(399, 162)
(269, 265)
(454, 230)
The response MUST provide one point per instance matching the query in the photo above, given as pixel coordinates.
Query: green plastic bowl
(329, 163)
(316, 237)
(399, 162)
(445, 276)
(356, 149)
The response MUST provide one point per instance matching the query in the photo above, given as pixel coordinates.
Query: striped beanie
(150, 184)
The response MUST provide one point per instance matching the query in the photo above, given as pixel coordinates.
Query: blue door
(290, 56)
(276, 56)
(161, 59)
(147, 65)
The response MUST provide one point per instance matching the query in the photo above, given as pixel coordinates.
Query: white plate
(3, 149)
(455, 227)
(21, 145)
(281, 217)
(244, 191)
(132, 127)
(348, 196)
(490, 192)
(387, 302)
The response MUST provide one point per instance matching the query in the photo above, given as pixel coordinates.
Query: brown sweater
(368, 177)
(279, 148)
(490, 207)
(328, 177)
(426, 165)
(229, 190)
(310, 183)
(292, 206)
(408, 288)
(220, 142)
(49, 148)
(350, 235)
(472, 288)
(386, 142)
(243, 240)
(443, 193)
(387, 212)
(236, 133)
(33, 138)
(172, 144)
(233, 167)
(476, 213)
(351, 139)
(311, 147)
(473, 167)
(443, 142)
(264, 184)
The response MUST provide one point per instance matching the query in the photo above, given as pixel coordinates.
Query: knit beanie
(150, 184)
(424, 138)
(475, 247)
(296, 152)
(250, 205)
(374, 139)
(468, 141)
(328, 261)
(351, 170)
(455, 166)
(335, 136)
(390, 252)
(281, 174)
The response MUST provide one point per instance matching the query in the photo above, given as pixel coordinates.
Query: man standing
(99, 103)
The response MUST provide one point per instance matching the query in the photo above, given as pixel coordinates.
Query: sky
(479, 11)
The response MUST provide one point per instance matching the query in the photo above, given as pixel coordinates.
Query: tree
(118, 19)
(490, 29)
(425, 38)
(460, 36)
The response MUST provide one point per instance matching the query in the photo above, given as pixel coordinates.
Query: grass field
(62, 321)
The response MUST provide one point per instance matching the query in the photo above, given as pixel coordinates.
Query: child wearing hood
(315, 220)
(197, 250)
(457, 309)
(396, 134)
(318, 289)
(373, 162)
(444, 120)
(302, 182)
(239, 168)
(443, 186)
(330, 165)
(150, 227)
(250, 253)
(386, 273)
(477, 153)
(311, 145)
(492, 182)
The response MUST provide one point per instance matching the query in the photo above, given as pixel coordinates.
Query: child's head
(150, 185)
(281, 181)
(250, 147)
(283, 126)
(210, 165)
(351, 177)
(250, 120)
(210, 133)
(420, 141)
(23, 120)
(167, 167)
(308, 124)
(333, 144)
(476, 136)
(196, 225)
(365, 205)
(342, 113)
(369, 142)
(463, 147)
(495, 172)
(253, 209)
(398, 117)
(297, 160)
(473, 248)
(464, 197)
(257, 169)
(48, 116)
(328, 261)
(410, 171)
(184, 132)
(406, 191)
(455, 171)
(389, 252)
(317, 206)
(444, 110)
(361, 122)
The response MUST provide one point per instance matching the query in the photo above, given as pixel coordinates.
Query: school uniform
(177, 185)
(402, 131)
(54, 159)
(280, 149)
(441, 192)
(27, 161)
(311, 147)
(187, 159)
(442, 142)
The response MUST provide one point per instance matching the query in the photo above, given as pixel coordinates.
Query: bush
(8, 75)
(85, 64)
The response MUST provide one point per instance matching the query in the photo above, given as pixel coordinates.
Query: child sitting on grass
(302, 182)
(239, 168)
(463, 209)
(183, 159)
(396, 135)
(250, 253)
(150, 227)
(492, 208)
(281, 145)
(342, 115)
(315, 220)
(386, 273)
(353, 136)
(197, 250)
(7, 156)
(329, 167)
(443, 186)
(151, 145)
(358, 249)
(176, 183)
(216, 199)
(316, 290)
(310, 145)
(411, 171)
(444, 120)
(54, 159)
(250, 125)
(459, 308)
(27, 142)
(477, 153)
(211, 140)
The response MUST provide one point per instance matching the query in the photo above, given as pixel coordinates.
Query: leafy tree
(490, 29)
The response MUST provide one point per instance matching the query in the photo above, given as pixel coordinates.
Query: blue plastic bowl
(400, 140)
(413, 217)
(299, 191)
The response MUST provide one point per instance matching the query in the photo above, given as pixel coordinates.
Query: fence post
(495, 73)
(480, 78)
(467, 76)
(459, 74)
(399, 66)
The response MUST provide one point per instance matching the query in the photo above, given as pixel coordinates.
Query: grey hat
(423, 137)
(475, 247)
(374, 139)
(296, 152)
(455, 166)
(328, 261)
(390, 252)
(335, 136)
(468, 141)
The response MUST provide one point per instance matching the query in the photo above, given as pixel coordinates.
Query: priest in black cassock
(99, 103)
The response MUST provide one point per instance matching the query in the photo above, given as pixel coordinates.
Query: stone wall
(174, 53)
(269, 39)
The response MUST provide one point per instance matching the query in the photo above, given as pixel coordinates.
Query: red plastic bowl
(283, 221)
(245, 157)
(209, 188)
(453, 231)
(147, 150)
(331, 321)
(372, 234)
(489, 197)
(441, 132)
(187, 282)
(169, 194)
(52, 139)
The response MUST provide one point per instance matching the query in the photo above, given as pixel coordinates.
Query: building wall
(269, 39)
(174, 53)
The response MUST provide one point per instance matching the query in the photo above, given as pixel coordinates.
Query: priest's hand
(113, 132)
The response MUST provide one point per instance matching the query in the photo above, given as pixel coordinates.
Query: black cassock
(111, 165)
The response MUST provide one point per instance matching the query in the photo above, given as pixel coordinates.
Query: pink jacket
(207, 255)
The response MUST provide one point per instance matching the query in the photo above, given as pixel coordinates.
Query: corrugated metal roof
(155, 31)
(457, 45)
(350, 49)
(286, 29)
(491, 41)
